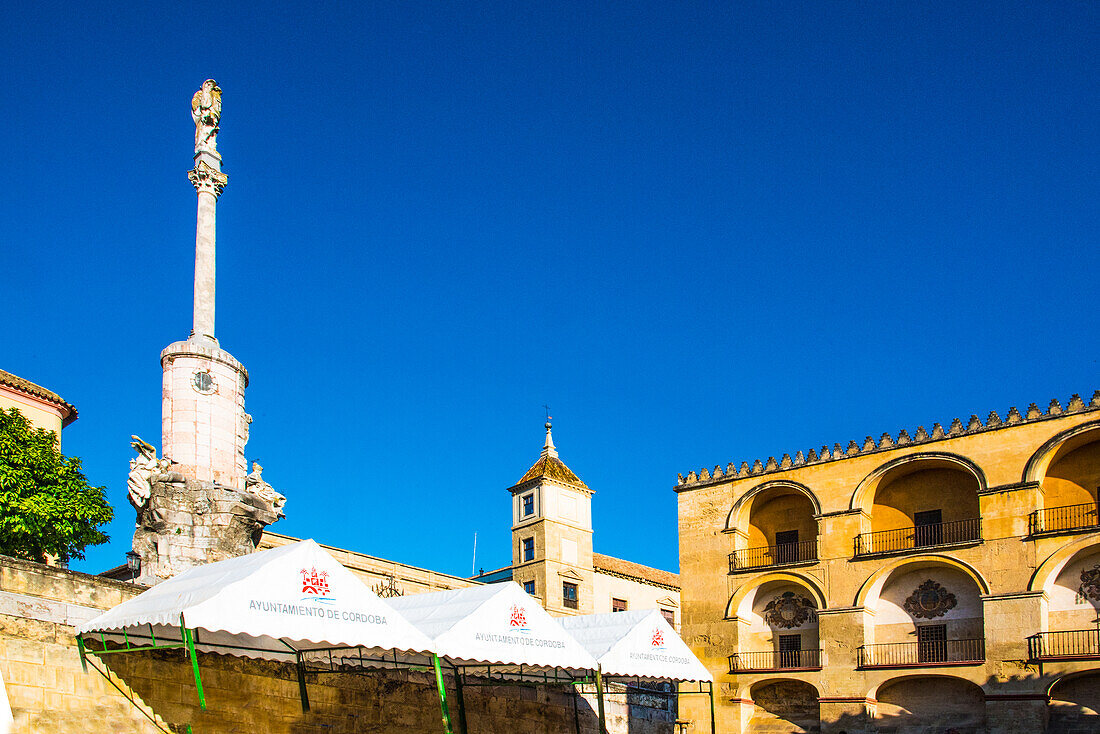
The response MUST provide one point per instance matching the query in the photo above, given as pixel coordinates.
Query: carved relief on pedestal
(145, 468)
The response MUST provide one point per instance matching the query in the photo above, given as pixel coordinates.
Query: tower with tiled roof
(552, 534)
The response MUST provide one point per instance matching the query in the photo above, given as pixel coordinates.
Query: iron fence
(921, 536)
(773, 555)
(1070, 517)
(916, 654)
(775, 660)
(1082, 644)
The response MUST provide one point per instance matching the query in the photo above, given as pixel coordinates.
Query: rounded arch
(745, 690)
(1037, 465)
(864, 494)
(743, 593)
(740, 508)
(872, 693)
(1048, 570)
(874, 583)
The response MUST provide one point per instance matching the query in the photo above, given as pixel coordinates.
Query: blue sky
(701, 232)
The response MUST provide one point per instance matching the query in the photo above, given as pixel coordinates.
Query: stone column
(209, 182)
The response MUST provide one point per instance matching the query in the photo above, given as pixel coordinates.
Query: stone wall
(155, 691)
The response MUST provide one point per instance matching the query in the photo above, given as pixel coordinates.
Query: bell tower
(552, 534)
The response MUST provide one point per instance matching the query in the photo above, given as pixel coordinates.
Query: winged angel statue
(206, 111)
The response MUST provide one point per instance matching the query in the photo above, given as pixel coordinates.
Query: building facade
(941, 581)
(41, 407)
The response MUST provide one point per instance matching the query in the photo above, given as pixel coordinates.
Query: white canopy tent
(636, 644)
(273, 604)
(496, 625)
(639, 645)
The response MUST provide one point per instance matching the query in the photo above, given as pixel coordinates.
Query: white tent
(638, 644)
(499, 625)
(271, 604)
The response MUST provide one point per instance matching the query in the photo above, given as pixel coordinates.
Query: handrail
(1083, 644)
(773, 555)
(775, 660)
(1068, 517)
(920, 654)
(920, 536)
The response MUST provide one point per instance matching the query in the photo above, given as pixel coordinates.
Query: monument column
(197, 504)
(204, 426)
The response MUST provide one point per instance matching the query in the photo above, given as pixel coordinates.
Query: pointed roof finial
(548, 448)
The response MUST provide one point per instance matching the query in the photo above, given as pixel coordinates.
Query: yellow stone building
(43, 408)
(944, 581)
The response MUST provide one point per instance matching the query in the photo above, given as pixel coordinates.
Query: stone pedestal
(204, 427)
(188, 523)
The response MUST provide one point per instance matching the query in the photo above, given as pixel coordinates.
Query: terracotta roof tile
(551, 467)
(635, 570)
(28, 387)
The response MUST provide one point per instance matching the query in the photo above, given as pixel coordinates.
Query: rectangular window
(528, 549)
(569, 595)
(618, 605)
(932, 643)
(670, 616)
(529, 587)
(529, 504)
(928, 528)
(790, 651)
(786, 546)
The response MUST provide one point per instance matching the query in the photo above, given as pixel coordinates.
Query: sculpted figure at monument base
(187, 523)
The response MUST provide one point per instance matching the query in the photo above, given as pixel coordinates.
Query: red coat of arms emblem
(658, 639)
(314, 582)
(516, 617)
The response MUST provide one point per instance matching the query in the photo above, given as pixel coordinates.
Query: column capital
(206, 178)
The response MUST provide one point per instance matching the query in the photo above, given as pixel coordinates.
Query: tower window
(529, 587)
(528, 549)
(618, 605)
(569, 595)
(670, 616)
(528, 504)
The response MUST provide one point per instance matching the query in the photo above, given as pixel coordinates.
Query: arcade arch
(1075, 704)
(918, 704)
(775, 524)
(782, 706)
(920, 500)
(1067, 468)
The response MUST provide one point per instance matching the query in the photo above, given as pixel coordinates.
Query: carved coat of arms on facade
(930, 600)
(788, 610)
(1090, 584)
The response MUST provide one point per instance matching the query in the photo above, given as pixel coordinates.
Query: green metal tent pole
(599, 699)
(442, 696)
(189, 641)
(83, 659)
(302, 682)
(713, 730)
(461, 702)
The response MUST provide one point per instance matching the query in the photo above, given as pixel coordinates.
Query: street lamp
(133, 562)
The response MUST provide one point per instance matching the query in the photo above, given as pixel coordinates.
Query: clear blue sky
(701, 232)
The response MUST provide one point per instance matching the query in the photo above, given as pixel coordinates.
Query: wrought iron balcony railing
(743, 662)
(1067, 645)
(922, 654)
(921, 536)
(1060, 519)
(804, 551)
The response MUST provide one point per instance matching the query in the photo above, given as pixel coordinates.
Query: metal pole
(599, 699)
(194, 661)
(461, 702)
(83, 659)
(442, 696)
(302, 682)
(713, 730)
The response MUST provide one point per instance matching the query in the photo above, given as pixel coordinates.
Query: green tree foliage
(46, 504)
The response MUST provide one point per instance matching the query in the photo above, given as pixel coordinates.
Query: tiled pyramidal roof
(549, 466)
(869, 445)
